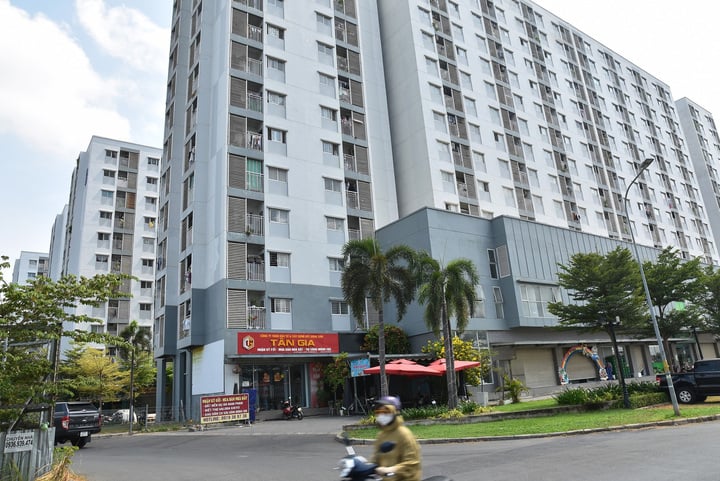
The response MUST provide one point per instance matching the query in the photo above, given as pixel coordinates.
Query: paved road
(279, 450)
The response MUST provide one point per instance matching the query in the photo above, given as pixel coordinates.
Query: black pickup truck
(76, 421)
(696, 385)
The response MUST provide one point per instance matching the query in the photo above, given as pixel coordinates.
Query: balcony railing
(254, 224)
(255, 271)
(353, 201)
(256, 318)
(254, 141)
(350, 162)
(255, 33)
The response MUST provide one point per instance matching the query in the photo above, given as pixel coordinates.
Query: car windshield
(81, 407)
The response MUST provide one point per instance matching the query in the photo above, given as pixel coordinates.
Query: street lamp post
(671, 389)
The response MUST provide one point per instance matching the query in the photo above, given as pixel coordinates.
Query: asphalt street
(277, 450)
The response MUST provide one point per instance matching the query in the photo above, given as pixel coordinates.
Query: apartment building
(29, 266)
(276, 152)
(704, 146)
(109, 226)
(292, 127)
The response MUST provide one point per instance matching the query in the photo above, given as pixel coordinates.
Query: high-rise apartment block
(293, 127)
(30, 265)
(109, 227)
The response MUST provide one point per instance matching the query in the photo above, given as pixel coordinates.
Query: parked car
(695, 385)
(76, 421)
(122, 416)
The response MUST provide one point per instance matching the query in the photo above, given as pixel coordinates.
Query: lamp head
(646, 163)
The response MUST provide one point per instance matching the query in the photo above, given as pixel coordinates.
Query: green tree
(335, 373)
(604, 287)
(396, 341)
(707, 303)
(136, 358)
(380, 277)
(32, 317)
(447, 292)
(93, 375)
(463, 351)
(672, 279)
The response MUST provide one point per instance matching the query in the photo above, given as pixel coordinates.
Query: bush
(425, 412)
(642, 394)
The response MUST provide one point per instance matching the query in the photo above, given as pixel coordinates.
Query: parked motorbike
(356, 468)
(291, 410)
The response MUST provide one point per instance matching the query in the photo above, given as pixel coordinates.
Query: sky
(72, 69)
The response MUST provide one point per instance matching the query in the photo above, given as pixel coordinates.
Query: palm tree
(138, 338)
(370, 273)
(447, 292)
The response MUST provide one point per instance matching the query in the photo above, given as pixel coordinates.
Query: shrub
(425, 412)
(451, 414)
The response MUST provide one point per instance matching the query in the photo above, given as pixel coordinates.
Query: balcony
(350, 162)
(353, 201)
(255, 271)
(254, 224)
(255, 33)
(254, 141)
(256, 317)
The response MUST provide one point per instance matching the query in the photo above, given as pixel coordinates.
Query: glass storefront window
(275, 383)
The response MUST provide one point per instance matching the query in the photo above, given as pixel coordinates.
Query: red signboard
(228, 407)
(287, 343)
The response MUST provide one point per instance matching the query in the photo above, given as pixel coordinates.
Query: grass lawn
(554, 423)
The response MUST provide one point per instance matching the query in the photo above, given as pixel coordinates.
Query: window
(327, 84)
(105, 218)
(151, 181)
(535, 298)
(277, 174)
(148, 263)
(275, 32)
(328, 114)
(106, 197)
(145, 308)
(339, 308)
(333, 185)
(108, 175)
(279, 259)
(324, 23)
(471, 107)
(436, 94)
(101, 261)
(466, 80)
(325, 54)
(492, 260)
(478, 309)
(439, 120)
(336, 264)
(498, 298)
(280, 305)
(103, 240)
(479, 161)
(335, 223)
(276, 135)
(279, 216)
(330, 148)
(275, 98)
(276, 64)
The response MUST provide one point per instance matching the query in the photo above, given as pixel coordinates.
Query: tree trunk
(381, 353)
(449, 358)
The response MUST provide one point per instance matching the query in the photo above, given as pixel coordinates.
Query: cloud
(51, 96)
(125, 33)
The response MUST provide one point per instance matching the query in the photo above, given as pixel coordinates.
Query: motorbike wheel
(299, 415)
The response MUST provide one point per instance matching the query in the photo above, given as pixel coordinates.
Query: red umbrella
(439, 365)
(404, 367)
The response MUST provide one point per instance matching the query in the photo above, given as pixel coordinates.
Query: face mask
(384, 419)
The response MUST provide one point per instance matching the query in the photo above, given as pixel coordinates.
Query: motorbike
(356, 468)
(290, 410)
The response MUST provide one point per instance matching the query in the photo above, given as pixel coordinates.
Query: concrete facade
(457, 127)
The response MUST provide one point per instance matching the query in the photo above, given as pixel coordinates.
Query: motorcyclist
(395, 449)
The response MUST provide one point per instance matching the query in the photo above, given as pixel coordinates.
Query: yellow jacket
(404, 457)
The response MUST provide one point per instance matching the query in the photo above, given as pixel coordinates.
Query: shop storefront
(283, 365)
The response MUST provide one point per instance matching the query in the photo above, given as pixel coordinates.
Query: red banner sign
(287, 343)
(228, 407)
